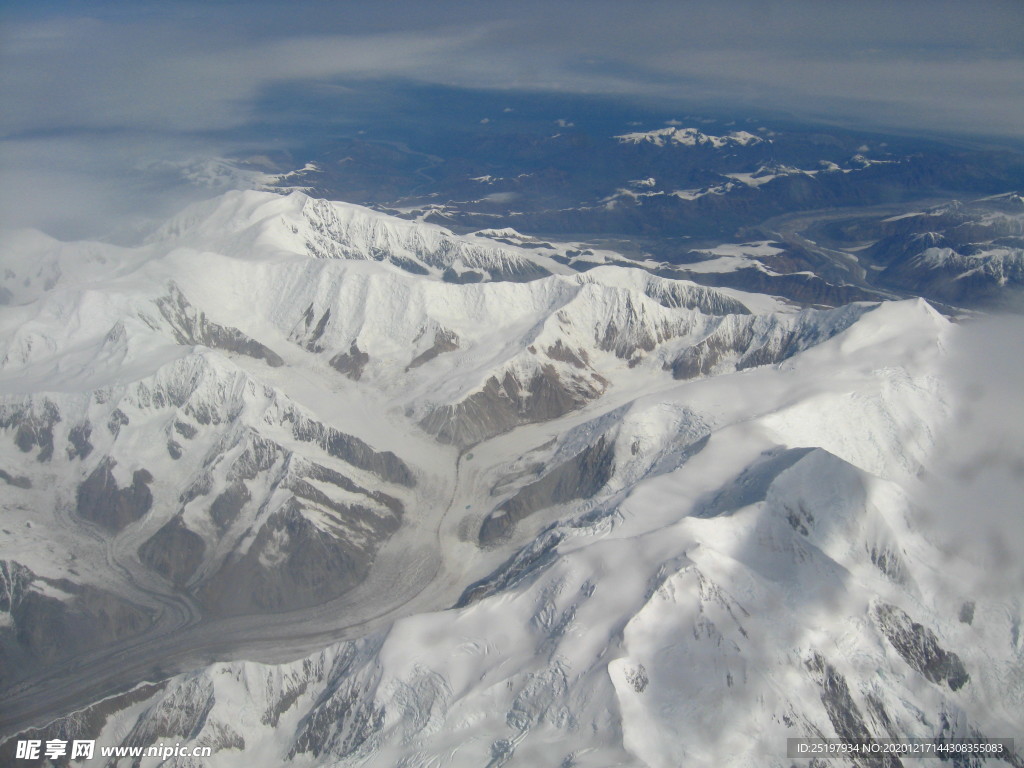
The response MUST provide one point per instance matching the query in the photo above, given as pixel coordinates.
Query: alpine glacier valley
(489, 426)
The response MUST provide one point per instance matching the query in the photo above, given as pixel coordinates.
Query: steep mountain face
(531, 515)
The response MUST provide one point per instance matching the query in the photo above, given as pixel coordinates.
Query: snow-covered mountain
(966, 253)
(689, 137)
(346, 489)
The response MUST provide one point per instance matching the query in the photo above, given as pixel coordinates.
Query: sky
(95, 95)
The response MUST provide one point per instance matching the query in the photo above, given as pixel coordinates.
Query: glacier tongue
(276, 444)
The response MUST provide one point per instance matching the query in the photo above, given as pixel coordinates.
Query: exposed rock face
(309, 336)
(284, 533)
(595, 471)
(502, 405)
(227, 507)
(101, 501)
(561, 352)
(843, 711)
(526, 563)
(118, 419)
(966, 615)
(244, 521)
(444, 341)
(79, 446)
(579, 478)
(324, 475)
(18, 481)
(348, 448)
(746, 342)
(292, 562)
(190, 326)
(350, 363)
(182, 713)
(174, 552)
(920, 648)
(673, 294)
(345, 721)
(463, 278)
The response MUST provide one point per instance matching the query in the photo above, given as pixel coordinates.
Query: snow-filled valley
(313, 485)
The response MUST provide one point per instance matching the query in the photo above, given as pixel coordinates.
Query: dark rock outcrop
(843, 711)
(101, 501)
(920, 648)
(78, 441)
(384, 464)
(174, 552)
(190, 326)
(508, 403)
(579, 478)
(33, 428)
(350, 363)
(444, 341)
(18, 481)
(293, 563)
(747, 342)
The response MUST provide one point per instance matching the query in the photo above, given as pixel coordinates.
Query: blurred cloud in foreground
(971, 501)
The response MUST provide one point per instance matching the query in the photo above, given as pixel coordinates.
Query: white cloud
(914, 64)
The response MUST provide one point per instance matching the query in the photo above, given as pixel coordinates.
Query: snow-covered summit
(253, 223)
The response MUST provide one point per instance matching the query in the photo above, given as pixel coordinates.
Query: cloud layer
(166, 77)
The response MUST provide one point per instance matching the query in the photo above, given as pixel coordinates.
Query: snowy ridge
(968, 253)
(1003, 265)
(689, 137)
(33, 263)
(241, 222)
